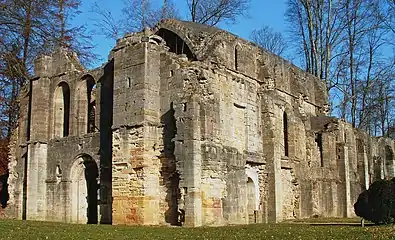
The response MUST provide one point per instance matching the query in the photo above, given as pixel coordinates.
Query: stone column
(37, 150)
(348, 204)
(365, 168)
(36, 185)
(273, 151)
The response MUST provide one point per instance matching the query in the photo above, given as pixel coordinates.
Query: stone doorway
(84, 177)
(251, 200)
(253, 195)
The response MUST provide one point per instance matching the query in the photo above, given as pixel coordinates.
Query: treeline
(349, 44)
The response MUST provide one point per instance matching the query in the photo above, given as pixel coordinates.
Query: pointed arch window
(91, 93)
(61, 110)
(86, 105)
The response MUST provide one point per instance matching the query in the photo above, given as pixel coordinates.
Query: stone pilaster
(136, 135)
(347, 183)
(273, 151)
(36, 186)
(365, 168)
(190, 183)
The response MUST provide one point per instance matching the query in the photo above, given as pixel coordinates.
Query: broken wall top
(59, 62)
(215, 46)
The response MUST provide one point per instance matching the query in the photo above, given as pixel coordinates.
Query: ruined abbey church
(185, 124)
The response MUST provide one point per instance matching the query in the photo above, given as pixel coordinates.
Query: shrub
(377, 204)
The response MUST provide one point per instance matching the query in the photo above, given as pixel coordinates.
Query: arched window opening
(61, 110)
(91, 93)
(175, 43)
(285, 133)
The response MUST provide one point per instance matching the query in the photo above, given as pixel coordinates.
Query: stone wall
(191, 126)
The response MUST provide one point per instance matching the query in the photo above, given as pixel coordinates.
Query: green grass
(355, 220)
(10, 229)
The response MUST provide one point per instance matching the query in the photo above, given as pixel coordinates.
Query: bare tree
(28, 28)
(73, 37)
(136, 15)
(212, 12)
(342, 42)
(22, 37)
(105, 22)
(270, 40)
(315, 30)
(143, 13)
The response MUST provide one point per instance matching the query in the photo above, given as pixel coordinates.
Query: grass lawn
(10, 229)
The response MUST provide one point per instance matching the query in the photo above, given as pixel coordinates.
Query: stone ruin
(185, 125)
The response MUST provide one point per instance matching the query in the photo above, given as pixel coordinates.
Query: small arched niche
(175, 43)
(61, 110)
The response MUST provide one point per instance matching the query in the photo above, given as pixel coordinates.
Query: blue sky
(261, 12)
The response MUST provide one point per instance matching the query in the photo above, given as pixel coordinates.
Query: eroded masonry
(185, 125)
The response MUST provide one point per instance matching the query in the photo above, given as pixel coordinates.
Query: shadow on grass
(338, 224)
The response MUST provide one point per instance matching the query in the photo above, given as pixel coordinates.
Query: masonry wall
(193, 126)
(40, 168)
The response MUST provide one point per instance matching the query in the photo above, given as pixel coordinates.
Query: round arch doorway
(84, 175)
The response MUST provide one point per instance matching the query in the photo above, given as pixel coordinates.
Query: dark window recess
(239, 105)
(91, 89)
(285, 132)
(185, 107)
(236, 60)
(66, 113)
(318, 140)
(91, 117)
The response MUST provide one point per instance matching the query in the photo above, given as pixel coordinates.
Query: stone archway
(253, 195)
(251, 198)
(84, 174)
